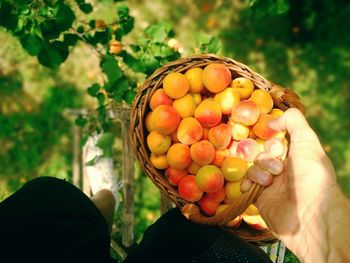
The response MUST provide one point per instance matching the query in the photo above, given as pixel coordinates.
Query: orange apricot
(261, 128)
(185, 106)
(208, 113)
(220, 136)
(194, 76)
(159, 161)
(234, 168)
(244, 87)
(238, 131)
(193, 168)
(149, 122)
(158, 143)
(216, 77)
(176, 85)
(208, 206)
(159, 97)
(245, 112)
(175, 175)
(189, 190)
(263, 100)
(189, 131)
(220, 156)
(202, 152)
(227, 99)
(209, 179)
(165, 119)
(178, 156)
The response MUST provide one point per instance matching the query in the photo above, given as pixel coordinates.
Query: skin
(105, 202)
(303, 206)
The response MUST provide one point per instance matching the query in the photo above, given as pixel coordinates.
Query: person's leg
(174, 239)
(105, 202)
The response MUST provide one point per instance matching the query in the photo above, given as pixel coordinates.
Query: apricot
(227, 99)
(197, 97)
(232, 148)
(234, 223)
(205, 134)
(233, 191)
(216, 77)
(276, 112)
(178, 156)
(193, 168)
(149, 122)
(159, 97)
(245, 112)
(174, 137)
(263, 99)
(189, 190)
(208, 113)
(255, 221)
(209, 179)
(244, 87)
(248, 149)
(176, 85)
(274, 147)
(218, 196)
(165, 119)
(185, 106)
(202, 152)
(220, 156)
(208, 206)
(194, 76)
(189, 131)
(158, 143)
(261, 128)
(251, 210)
(159, 161)
(175, 175)
(234, 168)
(220, 136)
(238, 131)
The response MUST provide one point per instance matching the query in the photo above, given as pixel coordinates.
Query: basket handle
(284, 99)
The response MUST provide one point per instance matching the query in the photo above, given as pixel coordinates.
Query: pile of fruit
(205, 130)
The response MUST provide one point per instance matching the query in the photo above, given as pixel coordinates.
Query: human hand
(294, 201)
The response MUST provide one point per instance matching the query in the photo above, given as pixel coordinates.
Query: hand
(294, 202)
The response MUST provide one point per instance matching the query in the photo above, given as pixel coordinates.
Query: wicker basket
(283, 99)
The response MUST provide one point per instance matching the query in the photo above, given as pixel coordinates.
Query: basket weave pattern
(283, 99)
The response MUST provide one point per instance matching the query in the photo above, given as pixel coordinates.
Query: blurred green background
(303, 45)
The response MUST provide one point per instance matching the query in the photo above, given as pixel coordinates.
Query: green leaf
(65, 17)
(49, 29)
(131, 62)
(93, 89)
(129, 96)
(121, 86)
(49, 57)
(111, 69)
(126, 22)
(86, 8)
(100, 98)
(70, 39)
(103, 37)
(214, 45)
(80, 121)
(158, 32)
(80, 29)
(8, 19)
(279, 7)
(105, 142)
(32, 43)
(149, 62)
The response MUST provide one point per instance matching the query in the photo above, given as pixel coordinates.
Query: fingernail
(264, 177)
(246, 185)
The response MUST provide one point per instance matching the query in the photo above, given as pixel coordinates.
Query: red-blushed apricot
(248, 149)
(220, 156)
(189, 190)
(216, 77)
(234, 223)
(189, 131)
(165, 119)
(202, 152)
(232, 191)
(197, 97)
(254, 221)
(205, 134)
(234, 168)
(208, 206)
(174, 138)
(158, 143)
(193, 168)
(244, 87)
(274, 147)
(208, 113)
(176, 85)
(149, 122)
(220, 136)
(232, 148)
(159, 161)
(261, 128)
(245, 112)
(209, 179)
(227, 99)
(263, 99)
(159, 97)
(218, 196)
(251, 133)
(178, 156)
(185, 106)
(194, 76)
(238, 131)
(175, 175)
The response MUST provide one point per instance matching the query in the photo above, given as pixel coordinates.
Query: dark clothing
(50, 220)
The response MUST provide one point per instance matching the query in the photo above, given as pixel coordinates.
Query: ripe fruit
(197, 98)
(185, 106)
(194, 76)
(263, 99)
(178, 156)
(115, 47)
(248, 149)
(245, 112)
(165, 119)
(189, 131)
(274, 147)
(208, 205)
(220, 136)
(233, 191)
(234, 168)
(149, 122)
(193, 168)
(208, 113)
(227, 99)
(202, 152)
(176, 85)
(159, 97)
(218, 196)
(216, 77)
(209, 179)
(244, 87)
(189, 190)
(233, 223)
(220, 156)
(261, 128)
(238, 131)
(158, 143)
(175, 175)
(255, 221)
(159, 161)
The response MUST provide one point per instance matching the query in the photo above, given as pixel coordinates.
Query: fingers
(272, 165)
